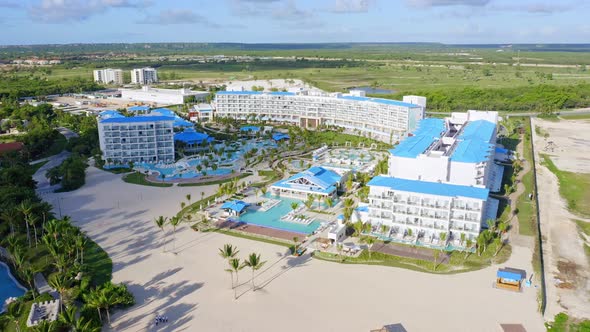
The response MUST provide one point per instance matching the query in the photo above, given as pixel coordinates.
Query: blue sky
(287, 21)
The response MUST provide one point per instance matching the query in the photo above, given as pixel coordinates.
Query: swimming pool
(8, 286)
(180, 172)
(271, 218)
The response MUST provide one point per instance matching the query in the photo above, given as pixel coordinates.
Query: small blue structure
(191, 137)
(141, 108)
(235, 208)
(280, 136)
(250, 129)
(315, 180)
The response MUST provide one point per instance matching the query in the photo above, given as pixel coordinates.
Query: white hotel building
(439, 181)
(144, 76)
(137, 139)
(382, 119)
(109, 76)
(162, 96)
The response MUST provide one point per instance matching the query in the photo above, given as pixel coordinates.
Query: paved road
(67, 132)
(43, 185)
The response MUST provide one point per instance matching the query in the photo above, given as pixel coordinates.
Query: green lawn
(241, 176)
(526, 207)
(252, 237)
(35, 167)
(573, 187)
(139, 178)
(575, 116)
(565, 323)
(458, 262)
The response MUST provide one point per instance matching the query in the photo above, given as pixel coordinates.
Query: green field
(139, 178)
(526, 207)
(573, 187)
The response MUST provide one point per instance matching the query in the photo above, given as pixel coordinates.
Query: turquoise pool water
(172, 173)
(8, 287)
(271, 218)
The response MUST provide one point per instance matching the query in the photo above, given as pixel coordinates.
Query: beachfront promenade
(192, 289)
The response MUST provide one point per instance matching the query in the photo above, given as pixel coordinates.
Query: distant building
(382, 119)
(163, 96)
(144, 76)
(439, 180)
(136, 139)
(108, 76)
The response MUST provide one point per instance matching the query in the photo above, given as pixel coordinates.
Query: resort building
(162, 96)
(136, 139)
(438, 182)
(201, 113)
(317, 180)
(109, 76)
(144, 76)
(382, 119)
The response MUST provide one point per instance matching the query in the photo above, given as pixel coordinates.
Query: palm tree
(174, 221)
(502, 227)
(28, 274)
(68, 316)
(468, 245)
(161, 222)
(263, 191)
(329, 201)
(295, 240)
(358, 228)
(228, 251)
(443, 237)
(83, 325)
(92, 301)
(60, 283)
(188, 198)
(108, 299)
(26, 208)
(182, 205)
(12, 314)
(234, 267)
(44, 326)
(10, 216)
(436, 254)
(254, 263)
(491, 225)
(339, 248)
(462, 238)
(294, 205)
(202, 195)
(499, 244)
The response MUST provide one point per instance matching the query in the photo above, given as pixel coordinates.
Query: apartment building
(144, 76)
(382, 119)
(438, 182)
(136, 139)
(109, 76)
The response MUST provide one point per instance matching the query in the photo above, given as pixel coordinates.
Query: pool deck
(258, 230)
(201, 179)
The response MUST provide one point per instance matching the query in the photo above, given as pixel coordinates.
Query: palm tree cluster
(493, 235)
(254, 262)
(230, 188)
(162, 221)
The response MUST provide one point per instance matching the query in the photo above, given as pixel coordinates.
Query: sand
(192, 289)
(563, 245)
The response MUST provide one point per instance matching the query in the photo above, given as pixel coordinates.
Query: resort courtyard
(189, 285)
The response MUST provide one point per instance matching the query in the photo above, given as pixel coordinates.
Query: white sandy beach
(298, 294)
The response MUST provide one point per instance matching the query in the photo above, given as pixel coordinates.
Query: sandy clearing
(562, 242)
(569, 143)
(298, 294)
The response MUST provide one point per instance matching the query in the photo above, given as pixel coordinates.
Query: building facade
(162, 96)
(143, 76)
(382, 119)
(109, 76)
(136, 139)
(318, 181)
(438, 182)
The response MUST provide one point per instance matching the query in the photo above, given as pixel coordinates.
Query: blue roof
(190, 136)
(110, 114)
(363, 208)
(510, 274)
(430, 188)
(149, 118)
(428, 131)
(279, 136)
(250, 128)
(502, 150)
(178, 121)
(324, 179)
(138, 108)
(237, 206)
(281, 93)
(164, 111)
(475, 142)
(380, 101)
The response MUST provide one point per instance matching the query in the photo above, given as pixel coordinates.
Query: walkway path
(43, 185)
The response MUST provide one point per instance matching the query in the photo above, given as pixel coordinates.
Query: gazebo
(234, 208)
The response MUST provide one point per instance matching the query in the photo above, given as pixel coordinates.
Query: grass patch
(573, 187)
(575, 116)
(117, 170)
(564, 323)
(459, 262)
(241, 176)
(252, 237)
(97, 263)
(139, 178)
(526, 207)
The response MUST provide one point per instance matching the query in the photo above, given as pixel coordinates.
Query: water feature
(9, 287)
(272, 218)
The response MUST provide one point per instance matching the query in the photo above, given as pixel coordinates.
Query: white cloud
(59, 11)
(443, 3)
(352, 6)
(176, 16)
